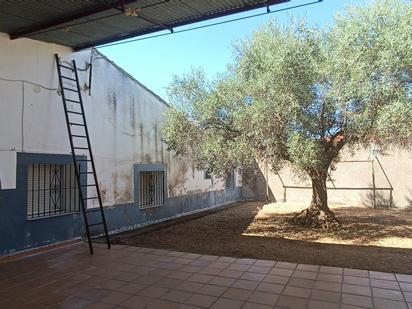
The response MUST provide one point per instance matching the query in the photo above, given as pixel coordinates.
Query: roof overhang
(89, 23)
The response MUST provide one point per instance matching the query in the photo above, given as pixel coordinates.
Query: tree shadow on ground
(238, 231)
(360, 225)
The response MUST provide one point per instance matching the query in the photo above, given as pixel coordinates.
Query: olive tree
(297, 94)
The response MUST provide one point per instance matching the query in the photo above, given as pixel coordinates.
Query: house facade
(141, 182)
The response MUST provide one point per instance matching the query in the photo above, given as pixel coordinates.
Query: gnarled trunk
(318, 214)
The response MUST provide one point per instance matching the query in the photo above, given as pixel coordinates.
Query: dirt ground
(371, 239)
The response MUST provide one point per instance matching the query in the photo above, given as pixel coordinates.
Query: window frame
(25, 160)
(137, 168)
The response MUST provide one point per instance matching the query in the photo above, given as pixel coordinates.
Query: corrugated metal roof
(87, 23)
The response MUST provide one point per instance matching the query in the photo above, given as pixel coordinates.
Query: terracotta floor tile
(282, 272)
(245, 284)
(291, 302)
(302, 283)
(317, 304)
(259, 269)
(305, 274)
(115, 298)
(327, 296)
(406, 287)
(222, 281)
(385, 284)
(225, 303)
(208, 257)
(176, 296)
(356, 280)
(263, 298)
(153, 291)
(252, 276)
(331, 270)
(136, 302)
(239, 267)
(161, 304)
(98, 305)
(356, 272)
(204, 301)
(266, 263)
(286, 265)
(226, 259)
(231, 273)
(357, 300)
(381, 275)
(307, 267)
(200, 278)
(387, 294)
(276, 279)
(245, 261)
(235, 293)
(296, 292)
(389, 304)
(404, 278)
(356, 289)
(212, 290)
(270, 287)
(256, 306)
(168, 283)
(190, 286)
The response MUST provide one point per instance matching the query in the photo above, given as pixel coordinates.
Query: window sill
(53, 216)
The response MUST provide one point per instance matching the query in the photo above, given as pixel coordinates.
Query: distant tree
(297, 94)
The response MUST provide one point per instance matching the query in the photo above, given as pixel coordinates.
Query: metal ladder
(80, 141)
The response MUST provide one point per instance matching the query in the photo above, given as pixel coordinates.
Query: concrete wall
(124, 119)
(352, 182)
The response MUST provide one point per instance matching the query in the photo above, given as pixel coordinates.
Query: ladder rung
(88, 160)
(69, 78)
(91, 198)
(75, 135)
(91, 185)
(73, 101)
(76, 124)
(95, 224)
(77, 113)
(81, 148)
(66, 67)
(73, 90)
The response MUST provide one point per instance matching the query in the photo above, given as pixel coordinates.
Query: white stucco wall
(123, 116)
(396, 163)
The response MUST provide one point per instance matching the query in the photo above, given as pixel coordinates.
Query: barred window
(51, 190)
(151, 188)
(230, 181)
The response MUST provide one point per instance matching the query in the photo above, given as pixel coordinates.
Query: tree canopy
(296, 94)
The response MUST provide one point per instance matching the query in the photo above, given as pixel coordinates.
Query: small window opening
(151, 188)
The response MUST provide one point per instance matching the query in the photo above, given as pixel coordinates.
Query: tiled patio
(132, 277)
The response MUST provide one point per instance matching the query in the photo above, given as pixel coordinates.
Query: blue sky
(154, 61)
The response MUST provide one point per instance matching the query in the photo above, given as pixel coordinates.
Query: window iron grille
(52, 190)
(151, 188)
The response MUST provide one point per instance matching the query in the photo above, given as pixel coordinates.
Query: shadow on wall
(380, 200)
(254, 185)
(408, 199)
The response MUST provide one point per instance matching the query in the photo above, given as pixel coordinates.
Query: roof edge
(130, 76)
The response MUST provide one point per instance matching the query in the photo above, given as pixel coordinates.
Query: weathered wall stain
(112, 103)
(178, 178)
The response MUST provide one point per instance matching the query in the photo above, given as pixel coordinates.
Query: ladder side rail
(77, 172)
(91, 157)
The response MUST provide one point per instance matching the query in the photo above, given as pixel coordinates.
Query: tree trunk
(318, 214)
